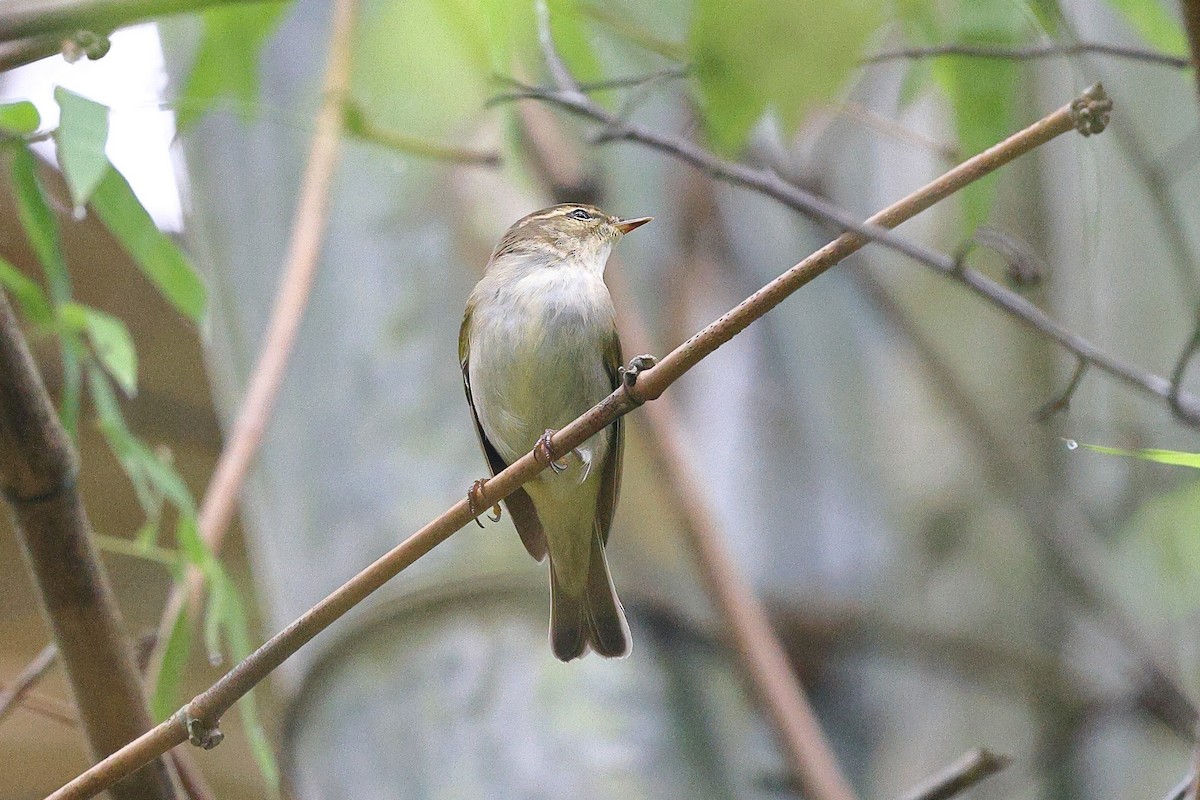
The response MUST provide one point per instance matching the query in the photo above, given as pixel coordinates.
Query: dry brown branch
(198, 719)
(1033, 52)
(754, 644)
(304, 250)
(37, 478)
(771, 185)
(969, 770)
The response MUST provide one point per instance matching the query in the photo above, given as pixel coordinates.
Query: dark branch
(37, 478)
(1030, 53)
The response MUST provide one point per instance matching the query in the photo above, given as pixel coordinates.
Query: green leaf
(187, 534)
(81, 136)
(159, 259)
(110, 340)
(33, 301)
(762, 55)
(1172, 457)
(171, 659)
(41, 229)
(1152, 21)
(19, 118)
(151, 476)
(227, 61)
(982, 91)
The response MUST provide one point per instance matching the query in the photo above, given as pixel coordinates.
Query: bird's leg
(543, 452)
(476, 505)
(636, 366)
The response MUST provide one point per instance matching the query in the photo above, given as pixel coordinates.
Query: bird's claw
(636, 366)
(543, 451)
(476, 505)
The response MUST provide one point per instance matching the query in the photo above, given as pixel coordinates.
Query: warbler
(538, 347)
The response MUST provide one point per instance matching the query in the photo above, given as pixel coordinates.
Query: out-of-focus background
(886, 454)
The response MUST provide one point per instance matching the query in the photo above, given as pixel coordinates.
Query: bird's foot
(636, 366)
(544, 452)
(476, 505)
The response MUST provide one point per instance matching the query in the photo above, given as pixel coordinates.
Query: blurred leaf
(1173, 457)
(19, 118)
(111, 341)
(1152, 21)
(29, 295)
(761, 55)
(1169, 521)
(227, 60)
(187, 534)
(1048, 14)
(147, 535)
(81, 136)
(171, 665)
(408, 53)
(158, 257)
(41, 229)
(237, 634)
(982, 91)
(215, 613)
(151, 476)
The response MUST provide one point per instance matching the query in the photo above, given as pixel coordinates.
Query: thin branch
(760, 654)
(754, 640)
(969, 770)
(769, 184)
(37, 478)
(197, 721)
(51, 708)
(358, 126)
(34, 671)
(1061, 403)
(304, 250)
(1030, 53)
(1067, 540)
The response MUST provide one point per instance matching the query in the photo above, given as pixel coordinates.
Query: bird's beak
(626, 225)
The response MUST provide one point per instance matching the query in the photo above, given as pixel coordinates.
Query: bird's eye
(580, 214)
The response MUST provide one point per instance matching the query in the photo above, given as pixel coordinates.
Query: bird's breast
(537, 348)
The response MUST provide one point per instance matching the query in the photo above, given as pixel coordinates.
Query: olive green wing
(610, 477)
(519, 504)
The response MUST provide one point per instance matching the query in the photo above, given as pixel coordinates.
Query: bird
(538, 347)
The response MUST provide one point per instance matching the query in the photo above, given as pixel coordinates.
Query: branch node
(64, 485)
(200, 733)
(85, 43)
(1091, 110)
(629, 375)
(1063, 401)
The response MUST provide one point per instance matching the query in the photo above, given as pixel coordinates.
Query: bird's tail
(593, 618)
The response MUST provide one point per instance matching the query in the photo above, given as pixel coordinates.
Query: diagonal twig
(34, 671)
(975, 766)
(1030, 53)
(197, 720)
(768, 183)
(755, 645)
